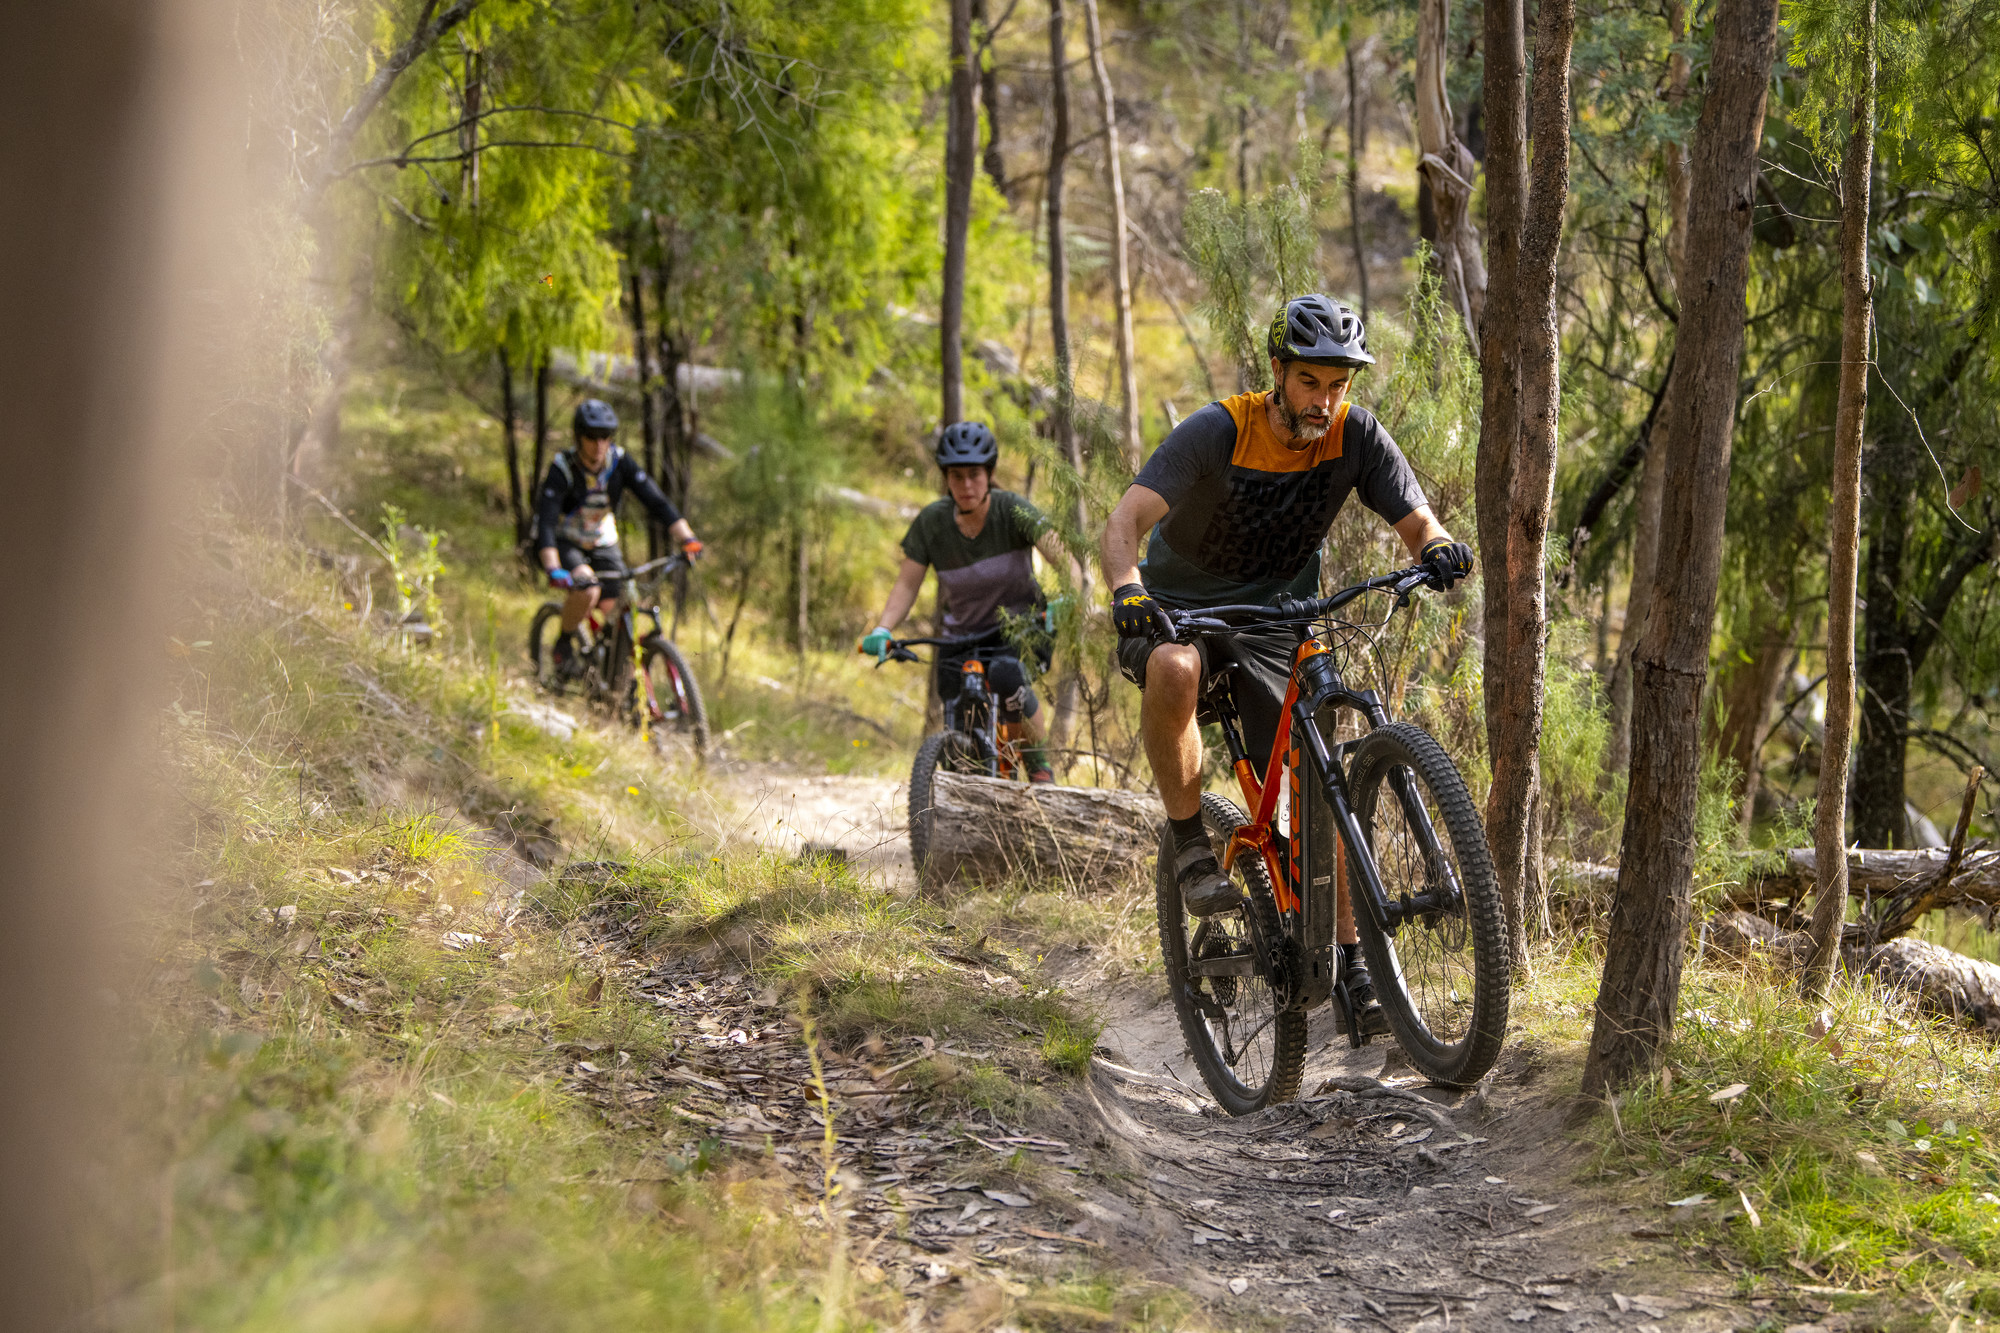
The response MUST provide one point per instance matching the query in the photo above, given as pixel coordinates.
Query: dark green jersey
(978, 577)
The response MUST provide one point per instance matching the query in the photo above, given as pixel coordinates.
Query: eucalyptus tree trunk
(1653, 471)
(1121, 271)
(1357, 143)
(992, 160)
(1070, 689)
(1844, 515)
(541, 434)
(961, 148)
(509, 424)
(1649, 914)
(1445, 166)
(649, 432)
(1517, 447)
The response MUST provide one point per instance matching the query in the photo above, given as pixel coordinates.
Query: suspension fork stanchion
(1334, 782)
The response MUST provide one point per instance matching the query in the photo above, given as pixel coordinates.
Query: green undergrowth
(1847, 1146)
(352, 1007)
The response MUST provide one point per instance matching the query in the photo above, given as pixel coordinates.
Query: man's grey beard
(1298, 423)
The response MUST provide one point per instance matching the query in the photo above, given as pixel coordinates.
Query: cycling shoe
(1205, 890)
(1361, 993)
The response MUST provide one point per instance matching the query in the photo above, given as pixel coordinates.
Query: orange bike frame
(1262, 797)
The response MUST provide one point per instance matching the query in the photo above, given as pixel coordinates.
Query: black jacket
(566, 485)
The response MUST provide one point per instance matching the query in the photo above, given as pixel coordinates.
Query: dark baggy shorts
(1263, 659)
(607, 562)
(1005, 676)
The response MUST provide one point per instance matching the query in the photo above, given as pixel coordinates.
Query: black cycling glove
(1136, 615)
(1449, 560)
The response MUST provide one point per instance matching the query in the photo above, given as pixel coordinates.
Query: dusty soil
(1381, 1203)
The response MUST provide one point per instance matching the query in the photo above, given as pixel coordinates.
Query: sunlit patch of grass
(1850, 1145)
(1067, 1044)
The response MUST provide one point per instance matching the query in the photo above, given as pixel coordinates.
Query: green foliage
(1863, 1165)
(414, 566)
(1254, 255)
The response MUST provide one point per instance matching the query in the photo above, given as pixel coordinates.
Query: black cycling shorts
(1005, 676)
(607, 562)
(1263, 660)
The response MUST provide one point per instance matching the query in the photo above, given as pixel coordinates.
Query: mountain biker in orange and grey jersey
(576, 516)
(1238, 500)
(981, 542)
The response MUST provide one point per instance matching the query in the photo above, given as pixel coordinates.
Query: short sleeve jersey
(1246, 516)
(979, 577)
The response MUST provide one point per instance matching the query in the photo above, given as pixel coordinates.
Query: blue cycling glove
(560, 578)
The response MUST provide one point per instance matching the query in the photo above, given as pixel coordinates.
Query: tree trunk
(648, 427)
(1090, 838)
(468, 129)
(1065, 407)
(541, 434)
(1649, 915)
(509, 420)
(1638, 603)
(961, 149)
(1857, 169)
(1445, 168)
(1121, 272)
(1646, 513)
(989, 97)
(1357, 144)
(1523, 489)
(1744, 694)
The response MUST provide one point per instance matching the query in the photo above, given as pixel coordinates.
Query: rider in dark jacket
(576, 515)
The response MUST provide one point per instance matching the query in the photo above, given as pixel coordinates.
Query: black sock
(1189, 831)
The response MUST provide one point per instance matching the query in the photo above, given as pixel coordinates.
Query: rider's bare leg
(577, 605)
(1166, 719)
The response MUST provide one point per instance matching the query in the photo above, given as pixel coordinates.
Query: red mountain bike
(1383, 822)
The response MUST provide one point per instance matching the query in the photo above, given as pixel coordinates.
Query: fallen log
(1938, 980)
(1873, 873)
(988, 830)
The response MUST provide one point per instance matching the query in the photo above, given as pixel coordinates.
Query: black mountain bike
(1383, 822)
(974, 739)
(643, 680)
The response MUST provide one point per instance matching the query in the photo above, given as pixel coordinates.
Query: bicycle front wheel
(951, 752)
(676, 695)
(1250, 1053)
(542, 634)
(1442, 974)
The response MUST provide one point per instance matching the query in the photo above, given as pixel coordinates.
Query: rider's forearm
(1119, 551)
(549, 558)
(904, 595)
(1418, 526)
(681, 532)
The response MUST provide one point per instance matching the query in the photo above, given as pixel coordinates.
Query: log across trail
(986, 830)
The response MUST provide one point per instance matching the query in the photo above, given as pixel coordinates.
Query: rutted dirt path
(1377, 1201)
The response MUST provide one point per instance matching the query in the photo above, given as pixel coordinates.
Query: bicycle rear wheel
(1250, 1054)
(1442, 975)
(676, 693)
(953, 752)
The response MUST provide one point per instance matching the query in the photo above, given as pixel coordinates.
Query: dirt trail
(1391, 1205)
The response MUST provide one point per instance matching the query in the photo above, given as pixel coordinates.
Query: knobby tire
(1442, 978)
(665, 665)
(1269, 1069)
(956, 753)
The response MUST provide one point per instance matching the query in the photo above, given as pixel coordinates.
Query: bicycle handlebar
(1291, 610)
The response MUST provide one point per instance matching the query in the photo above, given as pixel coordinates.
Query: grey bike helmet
(594, 417)
(967, 444)
(1326, 333)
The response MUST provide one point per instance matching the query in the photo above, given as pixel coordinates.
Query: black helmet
(594, 417)
(1312, 328)
(967, 444)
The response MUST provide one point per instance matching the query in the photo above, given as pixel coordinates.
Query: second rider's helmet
(967, 444)
(594, 417)
(1326, 333)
